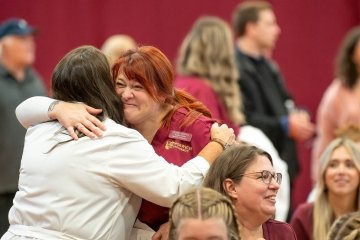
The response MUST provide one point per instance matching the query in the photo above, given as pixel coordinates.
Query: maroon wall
(311, 33)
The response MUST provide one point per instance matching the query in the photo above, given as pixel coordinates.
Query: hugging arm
(36, 110)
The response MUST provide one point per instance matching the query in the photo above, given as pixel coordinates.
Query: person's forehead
(191, 226)
(266, 14)
(14, 37)
(259, 163)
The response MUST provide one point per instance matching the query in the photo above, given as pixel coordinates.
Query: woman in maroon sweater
(337, 191)
(246, 175)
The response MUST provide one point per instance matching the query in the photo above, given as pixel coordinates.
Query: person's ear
(250, 28)
(230, 189)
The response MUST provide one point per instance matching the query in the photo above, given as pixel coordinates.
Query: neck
(249, 47)
(149, 127)
(250, 227)
(251, 232)
(18, 71)
(342, 204)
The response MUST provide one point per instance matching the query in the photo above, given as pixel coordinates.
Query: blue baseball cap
(16, 26)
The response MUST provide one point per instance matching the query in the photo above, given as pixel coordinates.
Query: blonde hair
(323, 215)
(203, 203)
(116, 45)
(351, 131)
(208, 52)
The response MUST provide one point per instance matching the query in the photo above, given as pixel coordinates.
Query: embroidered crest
(182, 147)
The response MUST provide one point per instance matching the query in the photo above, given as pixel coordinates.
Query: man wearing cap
(17, 83)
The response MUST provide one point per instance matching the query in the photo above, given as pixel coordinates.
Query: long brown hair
(346, 70)
(83, 75)
(207, 52)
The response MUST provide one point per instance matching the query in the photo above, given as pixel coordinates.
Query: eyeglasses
(266, 176)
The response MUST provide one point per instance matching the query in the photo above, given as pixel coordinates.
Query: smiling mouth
(271, 198)
(129, 105)
(341, 181)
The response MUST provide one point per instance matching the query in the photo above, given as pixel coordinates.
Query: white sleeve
(33, 111)
(134, 165)
(256, 137)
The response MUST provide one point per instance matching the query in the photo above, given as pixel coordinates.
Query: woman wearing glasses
(337, 191)
(246, 175)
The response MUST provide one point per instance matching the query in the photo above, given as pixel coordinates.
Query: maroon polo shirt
(177, 144)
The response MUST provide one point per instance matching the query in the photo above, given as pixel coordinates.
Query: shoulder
(305, 207)
(114, 129)
(192, 84)
(332, 91)
(202, 121)
(279, 230)
(199, 129)
(277, 224)
(303, 210)
(3, 71)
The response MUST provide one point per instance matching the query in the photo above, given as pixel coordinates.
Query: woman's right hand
(222, 134)
(79, 116)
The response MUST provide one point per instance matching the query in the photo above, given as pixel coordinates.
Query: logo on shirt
(172, 144)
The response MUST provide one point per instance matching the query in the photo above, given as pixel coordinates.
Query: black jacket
(264, 105)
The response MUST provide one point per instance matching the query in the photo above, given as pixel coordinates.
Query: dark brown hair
(83, 75)
(346, 70)
(245, 12)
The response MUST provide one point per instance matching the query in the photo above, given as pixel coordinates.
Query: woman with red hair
(175, 123)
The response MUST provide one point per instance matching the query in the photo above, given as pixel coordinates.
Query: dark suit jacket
(264, 105)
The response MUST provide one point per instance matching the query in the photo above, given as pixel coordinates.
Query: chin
(271, 212)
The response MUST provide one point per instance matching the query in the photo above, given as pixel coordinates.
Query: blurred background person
(246, 175)
(340, 104)
(351, 132)
(267, 103)
(116, 45)
(206, 69)
(203, 213)
(18, 81)
(336, 192)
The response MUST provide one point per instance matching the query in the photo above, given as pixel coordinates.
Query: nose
(278, 29)
(341, 169)
(127, 93)
(274, 184)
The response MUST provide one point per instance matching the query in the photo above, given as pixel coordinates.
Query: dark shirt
(12, 93)
(265, 98)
